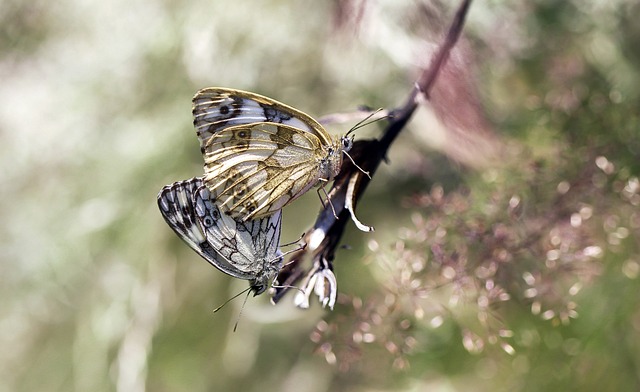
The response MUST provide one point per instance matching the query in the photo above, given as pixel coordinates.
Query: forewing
(254, 170)
(216, 108)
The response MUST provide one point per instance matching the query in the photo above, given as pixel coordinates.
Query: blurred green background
(507, 221)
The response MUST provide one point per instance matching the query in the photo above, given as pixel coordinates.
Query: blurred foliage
(519, 272)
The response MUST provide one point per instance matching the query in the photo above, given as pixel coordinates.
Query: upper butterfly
(245, 250)
(261, 154)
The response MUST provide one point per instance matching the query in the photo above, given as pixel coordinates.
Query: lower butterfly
(245, 250)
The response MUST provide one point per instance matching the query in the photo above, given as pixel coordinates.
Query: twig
(323, 238)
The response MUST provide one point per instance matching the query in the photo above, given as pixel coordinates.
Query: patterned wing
(251, 247)
(244, 244)
(254, 170)
(178, 208)
(260, 154)
(216, 108)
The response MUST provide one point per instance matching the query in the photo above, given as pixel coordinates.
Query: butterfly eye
(258, 288)
(347, 143)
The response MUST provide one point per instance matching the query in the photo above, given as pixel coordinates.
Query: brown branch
(323, 238)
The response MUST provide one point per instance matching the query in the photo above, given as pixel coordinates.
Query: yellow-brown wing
(254, 170)
(260, 154)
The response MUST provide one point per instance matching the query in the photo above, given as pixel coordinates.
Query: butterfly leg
(293, 242)
(326, 195)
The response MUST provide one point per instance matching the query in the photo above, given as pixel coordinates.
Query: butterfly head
(259, 287)
(267, 276)
(261, 282)
(329, 165)
(347, 142)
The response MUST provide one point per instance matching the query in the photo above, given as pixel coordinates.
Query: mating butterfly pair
(259, 156)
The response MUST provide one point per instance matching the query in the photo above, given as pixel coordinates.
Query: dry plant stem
(368, 154)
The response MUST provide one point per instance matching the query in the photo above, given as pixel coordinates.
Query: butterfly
(261, 154)
(243, 249)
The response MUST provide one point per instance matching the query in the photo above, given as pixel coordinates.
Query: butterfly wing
(249, 247)
(217, 108)
(178, 208)
(259, 154)
(254, 170)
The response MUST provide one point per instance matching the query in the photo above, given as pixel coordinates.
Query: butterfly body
(261, 154)
(243, 249)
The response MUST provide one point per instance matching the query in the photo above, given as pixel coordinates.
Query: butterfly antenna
(366, 173)
(363, 123)
(241, 309)
(231, 299)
